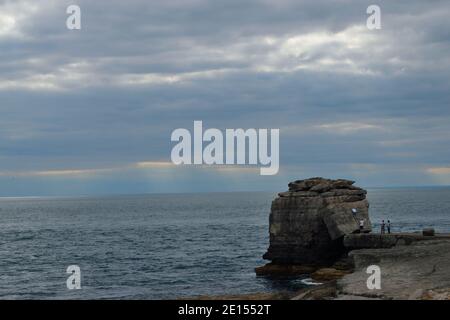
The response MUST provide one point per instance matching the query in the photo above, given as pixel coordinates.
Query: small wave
(24, 238)
(310, 282)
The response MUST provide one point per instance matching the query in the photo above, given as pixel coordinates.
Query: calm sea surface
(164, 246)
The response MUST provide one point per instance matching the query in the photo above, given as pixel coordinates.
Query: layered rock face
(308, 222)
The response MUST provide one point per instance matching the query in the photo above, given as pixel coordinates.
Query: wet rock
(321, 292)
(283, 270)
(328, 274)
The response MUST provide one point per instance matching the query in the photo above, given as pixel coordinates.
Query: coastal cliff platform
(413, 266)
(374, 241)
(408, 272)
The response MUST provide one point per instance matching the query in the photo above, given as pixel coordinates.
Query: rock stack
(308, 222)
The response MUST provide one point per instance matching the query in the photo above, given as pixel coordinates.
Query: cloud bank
(80, 110)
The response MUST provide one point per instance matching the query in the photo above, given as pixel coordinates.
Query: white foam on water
(310, 282)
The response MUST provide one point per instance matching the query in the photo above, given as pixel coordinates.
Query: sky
(91, 111)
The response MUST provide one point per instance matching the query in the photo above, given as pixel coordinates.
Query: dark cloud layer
(81, 109)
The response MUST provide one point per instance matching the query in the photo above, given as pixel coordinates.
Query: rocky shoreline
(321, 228)
(415, 269)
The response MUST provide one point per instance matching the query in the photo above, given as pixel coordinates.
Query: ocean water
(164, 246)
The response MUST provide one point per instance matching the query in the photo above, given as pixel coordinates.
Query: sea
(165, 246)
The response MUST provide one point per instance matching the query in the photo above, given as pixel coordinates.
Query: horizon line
(197, 192)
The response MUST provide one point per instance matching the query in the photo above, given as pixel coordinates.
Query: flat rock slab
(340, 221)
(374, 240)
(407, 272)
(351, 297)
(321, 292)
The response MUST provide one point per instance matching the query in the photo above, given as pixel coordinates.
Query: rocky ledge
(315, 229)
(416, 271)
(375, 241)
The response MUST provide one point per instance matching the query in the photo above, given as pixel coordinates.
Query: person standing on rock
(383, 227)
(389, 226)
(361, 225)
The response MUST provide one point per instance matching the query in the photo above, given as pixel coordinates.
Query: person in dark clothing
(383, 227)
(389, 226)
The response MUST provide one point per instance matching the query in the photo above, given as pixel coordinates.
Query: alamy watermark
(74, 280)
(374, 280)
(240, 147)
(73, 22)
(374, 20)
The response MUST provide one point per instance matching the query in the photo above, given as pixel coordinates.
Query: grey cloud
(112, 93)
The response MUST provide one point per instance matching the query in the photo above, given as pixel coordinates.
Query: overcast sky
(91, 111)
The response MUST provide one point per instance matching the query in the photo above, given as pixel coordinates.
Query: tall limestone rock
(308, 222)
